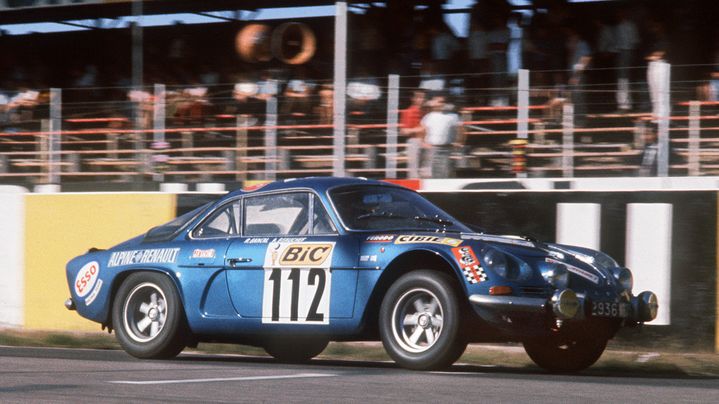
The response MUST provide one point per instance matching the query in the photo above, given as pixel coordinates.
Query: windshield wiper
(383, 214)
(435, 219)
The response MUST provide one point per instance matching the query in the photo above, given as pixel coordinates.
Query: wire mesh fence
(539, 123)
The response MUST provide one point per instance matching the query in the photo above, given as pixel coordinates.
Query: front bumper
(563, 305)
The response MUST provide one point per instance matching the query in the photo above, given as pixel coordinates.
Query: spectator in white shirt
(442, 131)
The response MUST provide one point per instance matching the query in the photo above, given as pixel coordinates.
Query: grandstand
(209, 110)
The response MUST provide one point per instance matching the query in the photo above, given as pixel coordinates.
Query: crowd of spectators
(565, 49)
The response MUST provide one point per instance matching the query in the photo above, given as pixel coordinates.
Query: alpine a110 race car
(298, 263)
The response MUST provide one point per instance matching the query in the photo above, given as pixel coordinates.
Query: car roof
(319, 184)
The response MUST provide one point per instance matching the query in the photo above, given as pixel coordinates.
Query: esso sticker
(86, 278)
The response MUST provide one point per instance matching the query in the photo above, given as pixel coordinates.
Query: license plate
(609, 309)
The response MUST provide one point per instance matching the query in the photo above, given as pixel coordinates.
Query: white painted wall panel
(649, 252)
(12, 253)
(579, 224)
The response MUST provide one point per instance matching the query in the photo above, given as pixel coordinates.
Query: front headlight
(505, 266)
(624, 277)
(555, 273)
(496, 261)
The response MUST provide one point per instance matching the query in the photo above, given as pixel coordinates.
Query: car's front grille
(535, 292)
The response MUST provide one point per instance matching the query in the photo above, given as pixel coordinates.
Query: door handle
(234, 261)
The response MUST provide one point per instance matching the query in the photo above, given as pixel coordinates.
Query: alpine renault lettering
(298, 263)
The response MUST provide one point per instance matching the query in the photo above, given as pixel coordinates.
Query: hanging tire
(569, 356)
(148, 317)
(295, 350)
(420, 321)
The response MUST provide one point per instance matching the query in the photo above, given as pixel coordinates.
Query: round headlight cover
(495, 261)
(624, 277)
(555, 274)
(506, 266)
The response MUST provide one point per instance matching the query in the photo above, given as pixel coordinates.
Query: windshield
(168, 230)
(390, 208)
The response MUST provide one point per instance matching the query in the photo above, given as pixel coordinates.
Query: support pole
(137, 82)
(665, 113)
(159, 114)
(522, 109)
(568, 140)
(340, 88)
(158, 135)
(392, 127)
(54, 144)
(694, 161)
(271, 136)
(241, 147)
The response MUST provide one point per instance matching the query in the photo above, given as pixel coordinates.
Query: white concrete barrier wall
(649, 252)
(577, 184)
(12, 251)
(579, 224)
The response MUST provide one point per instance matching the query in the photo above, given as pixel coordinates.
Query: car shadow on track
(613, 370)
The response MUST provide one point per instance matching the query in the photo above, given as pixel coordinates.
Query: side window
(224, 222)
(279, 214)
(322, 224)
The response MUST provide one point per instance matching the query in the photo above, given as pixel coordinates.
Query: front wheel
(420, 321)
(148, 317)
(568, 356)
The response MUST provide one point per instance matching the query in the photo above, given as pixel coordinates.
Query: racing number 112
(316, 277)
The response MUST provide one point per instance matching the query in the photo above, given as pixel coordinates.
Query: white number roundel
(86, 278)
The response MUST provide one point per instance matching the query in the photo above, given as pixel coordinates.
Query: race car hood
(578, 258)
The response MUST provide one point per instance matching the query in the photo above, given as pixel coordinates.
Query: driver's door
(290, 266)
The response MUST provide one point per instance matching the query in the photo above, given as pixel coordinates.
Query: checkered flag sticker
(474, 274)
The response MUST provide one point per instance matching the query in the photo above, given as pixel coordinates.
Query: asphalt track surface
(77, 375)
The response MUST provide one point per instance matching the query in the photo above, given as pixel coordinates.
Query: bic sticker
(299, 255)
(469, 263)
(86, 278)
(412, 239)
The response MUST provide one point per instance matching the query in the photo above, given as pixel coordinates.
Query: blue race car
(298, 263)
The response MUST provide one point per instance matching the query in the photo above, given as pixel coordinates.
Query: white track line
(224, 379)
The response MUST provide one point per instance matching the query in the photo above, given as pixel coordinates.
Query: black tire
(417, 305)
(565, 356)
(141, 303)
(295, 350)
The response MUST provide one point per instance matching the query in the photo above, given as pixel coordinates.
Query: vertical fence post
(522, 110)
(694, 161)
(43, 147)
(241, 147)
(271, 136)
(664, 114)
(158, 134)
(340, 88)
(568, 140)
(137, 84)
(54, 145)
(392, 127)
(158, 116)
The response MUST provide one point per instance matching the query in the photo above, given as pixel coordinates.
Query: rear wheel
(420, 321)
(295, 350)
(148, 317)
(566, 356)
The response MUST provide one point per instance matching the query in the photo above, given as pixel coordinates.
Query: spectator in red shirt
(410, 118)
(411, 126)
